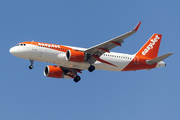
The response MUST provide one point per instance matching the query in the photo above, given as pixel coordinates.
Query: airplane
(71, 60)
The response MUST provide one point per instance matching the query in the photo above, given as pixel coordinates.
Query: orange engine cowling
(53, 71)
(75, 56)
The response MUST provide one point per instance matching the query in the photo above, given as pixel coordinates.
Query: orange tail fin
(151, 47)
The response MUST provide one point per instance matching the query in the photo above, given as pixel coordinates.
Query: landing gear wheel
(77, 79)
(91, 68)
(31, 67)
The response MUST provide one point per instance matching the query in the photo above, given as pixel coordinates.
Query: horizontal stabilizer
(158, 59)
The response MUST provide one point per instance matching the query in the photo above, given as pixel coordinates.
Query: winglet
(137, 26)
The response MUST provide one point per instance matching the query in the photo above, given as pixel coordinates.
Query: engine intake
(75, 56)
(53, 71)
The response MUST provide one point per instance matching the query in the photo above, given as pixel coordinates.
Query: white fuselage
(44, 54)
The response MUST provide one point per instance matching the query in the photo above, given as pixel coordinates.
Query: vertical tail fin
(151, 47)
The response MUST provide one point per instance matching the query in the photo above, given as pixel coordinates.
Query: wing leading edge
(100, 49)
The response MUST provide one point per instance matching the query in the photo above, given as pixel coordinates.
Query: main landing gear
(77, 79)
(31, 66)
(91, 68)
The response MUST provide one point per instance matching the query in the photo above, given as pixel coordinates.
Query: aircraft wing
(98, 50)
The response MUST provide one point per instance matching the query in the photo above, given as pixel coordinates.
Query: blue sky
(148, 95)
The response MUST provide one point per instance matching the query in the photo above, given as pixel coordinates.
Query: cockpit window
(21, 44)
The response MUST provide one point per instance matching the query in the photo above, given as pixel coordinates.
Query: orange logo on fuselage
(49, 45)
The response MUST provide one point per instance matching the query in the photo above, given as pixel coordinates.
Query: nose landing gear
(31, 66)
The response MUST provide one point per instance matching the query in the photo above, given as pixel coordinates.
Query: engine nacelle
(75, 56)
(53, 71)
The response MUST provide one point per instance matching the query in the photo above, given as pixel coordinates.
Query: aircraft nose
(13, 51)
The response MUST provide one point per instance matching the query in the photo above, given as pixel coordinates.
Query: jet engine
(75, 56)
(54, 72)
